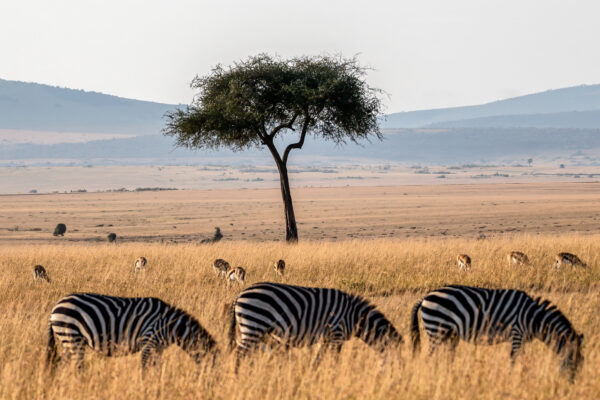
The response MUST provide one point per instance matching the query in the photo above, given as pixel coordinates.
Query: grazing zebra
(221, 267)
(297, 316)
(279, 267)
(464, 262)
(140, 264)
(236, 274)
(122, 325)
(517, 258)
(39, 272)
(489, 316)
(568, 259)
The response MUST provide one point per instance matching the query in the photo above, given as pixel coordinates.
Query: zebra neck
(368, 320)
(551, 327)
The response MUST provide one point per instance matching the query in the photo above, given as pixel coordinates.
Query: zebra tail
(52, 353)
(415, 334)
(232, 327)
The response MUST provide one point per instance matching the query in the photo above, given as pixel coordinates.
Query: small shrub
(60, 230)
(111, 237)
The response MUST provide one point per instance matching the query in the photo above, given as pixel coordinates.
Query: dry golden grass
(393, 274)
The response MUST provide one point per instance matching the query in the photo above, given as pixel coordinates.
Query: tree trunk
(291, 230)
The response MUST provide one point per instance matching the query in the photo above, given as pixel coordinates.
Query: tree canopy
(237, 107)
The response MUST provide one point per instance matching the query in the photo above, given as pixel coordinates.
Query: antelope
(140, 264)
(279, 267)
(464, 262)
(236, 274)
(567, 258)
(221, 267)
(39, 272)
(517, 258)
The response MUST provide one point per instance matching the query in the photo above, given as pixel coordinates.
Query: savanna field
(393, 272)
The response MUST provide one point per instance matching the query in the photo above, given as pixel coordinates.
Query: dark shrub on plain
(60, 230)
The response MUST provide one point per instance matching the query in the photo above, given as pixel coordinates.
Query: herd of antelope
(238, 274)
(520, 258)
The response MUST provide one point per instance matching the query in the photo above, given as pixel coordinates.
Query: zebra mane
(547, 307)
(199, 334)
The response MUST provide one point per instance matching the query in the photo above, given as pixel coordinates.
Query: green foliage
(250, 102)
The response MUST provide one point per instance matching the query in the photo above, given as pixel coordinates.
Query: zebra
(464, 262)
(140, 264)
(123, 325)
(491, 316)
(221, 267)
(517, 258)
(279, 267)
(236, 274)
(39, 272)
(567, 258)
(297, 316)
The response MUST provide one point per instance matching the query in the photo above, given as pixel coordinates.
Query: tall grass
(393, 274)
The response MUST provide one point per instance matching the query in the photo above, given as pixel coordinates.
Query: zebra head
(572, 358)
(552, 327)
(373, 327)
(193, 338)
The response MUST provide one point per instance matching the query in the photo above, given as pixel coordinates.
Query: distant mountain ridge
(33, 106)
(565, 100)
(562, 124)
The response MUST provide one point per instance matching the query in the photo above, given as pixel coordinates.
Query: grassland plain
(427, 211)
(393, 273)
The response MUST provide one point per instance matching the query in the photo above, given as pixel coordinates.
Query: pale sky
(425, 54)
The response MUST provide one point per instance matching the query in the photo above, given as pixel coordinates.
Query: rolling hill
(32, 106)
(552, 108)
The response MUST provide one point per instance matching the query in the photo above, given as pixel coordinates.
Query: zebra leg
(517, 340)
(435, 339)
(453, 341)
(150, 356)
(74, 347)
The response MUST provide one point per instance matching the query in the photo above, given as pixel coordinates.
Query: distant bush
(216, 237)
(33, 191)
(152, 189)
(60, 230)
(111, 237)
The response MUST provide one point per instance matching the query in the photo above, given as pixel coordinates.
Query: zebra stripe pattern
(296, 316)
(121, 325)
(479, 315)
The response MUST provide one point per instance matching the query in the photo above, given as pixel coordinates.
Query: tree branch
(300, 143)
(288, 125)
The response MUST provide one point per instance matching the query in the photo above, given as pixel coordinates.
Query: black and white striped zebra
(480, 315)
(122, 325)
(297, 316)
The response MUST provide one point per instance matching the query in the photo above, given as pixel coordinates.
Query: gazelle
(236, 274)
(279, 267)
(517, 258)
(39, 272)
(221, 267)
(464, 262)
(140, 264)
(568, 259)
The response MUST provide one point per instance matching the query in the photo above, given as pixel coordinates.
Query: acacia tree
(255, 102)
